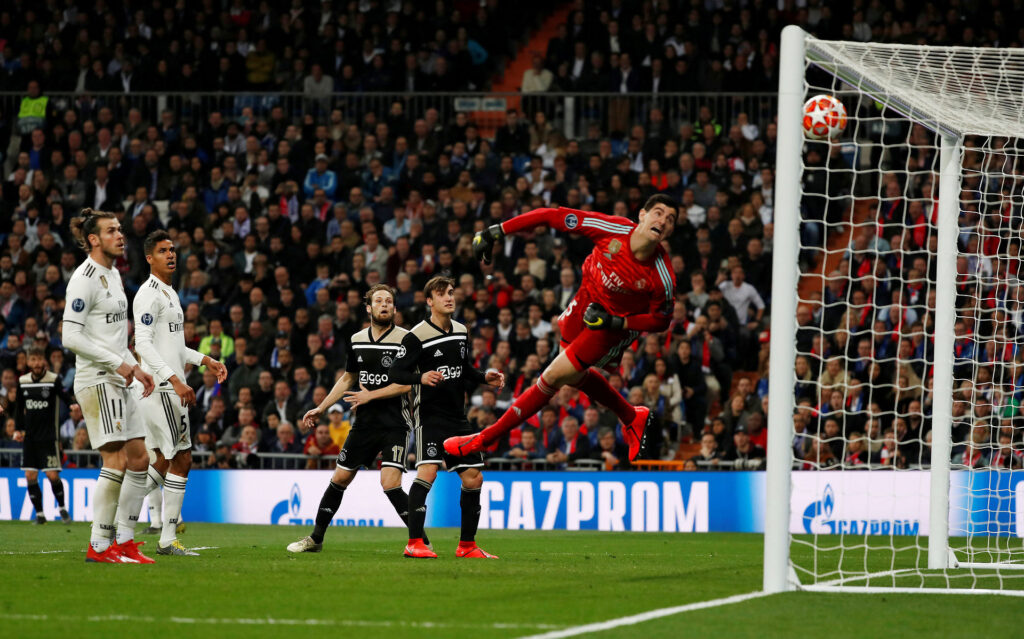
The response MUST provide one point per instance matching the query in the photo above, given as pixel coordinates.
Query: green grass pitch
(248, 585)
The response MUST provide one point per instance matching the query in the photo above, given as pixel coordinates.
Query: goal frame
(779, 574)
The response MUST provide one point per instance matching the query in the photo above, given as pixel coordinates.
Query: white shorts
(110, 413)
(167, 425)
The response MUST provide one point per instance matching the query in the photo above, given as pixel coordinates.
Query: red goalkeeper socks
(598, 389)
(535, 398)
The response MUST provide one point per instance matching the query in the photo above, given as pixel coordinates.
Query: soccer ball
(824, 117)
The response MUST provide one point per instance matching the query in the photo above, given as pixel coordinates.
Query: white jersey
(96, 325)
(159, 336)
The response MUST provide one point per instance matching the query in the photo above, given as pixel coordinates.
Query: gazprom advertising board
(874, 503)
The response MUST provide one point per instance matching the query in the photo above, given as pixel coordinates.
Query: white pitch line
(53, 552)
(270, 621)
(646, 616)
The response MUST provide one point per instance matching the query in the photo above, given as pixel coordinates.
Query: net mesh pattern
(865, 339)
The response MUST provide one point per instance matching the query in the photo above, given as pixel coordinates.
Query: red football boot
(416, 549)
(463, 445)
(130, 550)
(469, 550)
(634, 431)
(109, 556)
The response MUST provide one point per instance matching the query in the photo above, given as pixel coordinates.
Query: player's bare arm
(311, 417)
(365, 395)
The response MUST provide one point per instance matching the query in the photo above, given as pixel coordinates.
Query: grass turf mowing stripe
(646, 616)
(270, 621)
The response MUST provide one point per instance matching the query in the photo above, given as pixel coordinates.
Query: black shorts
(44, 455)
(362, 446)
(430, 446)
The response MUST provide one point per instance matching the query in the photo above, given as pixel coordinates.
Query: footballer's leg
(417, 547)
(597, 350)
(558, 373)
(472, 481)
(572, 366)
(391, 468)
(57, 486)
(470, 470)
(329, 505)
(129, 502)
(158, 465)
(174, 496)
(98, 421)
(429, 457)
(136, 475)
(35, 494)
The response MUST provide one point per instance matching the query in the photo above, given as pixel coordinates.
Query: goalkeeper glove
(598, 319)
(483, 242)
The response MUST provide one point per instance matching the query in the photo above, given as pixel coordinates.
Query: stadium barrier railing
(515, 463)
(570, 113)
(11, 458)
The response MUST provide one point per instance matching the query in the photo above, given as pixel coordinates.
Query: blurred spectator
(611, 452)
(320, 444)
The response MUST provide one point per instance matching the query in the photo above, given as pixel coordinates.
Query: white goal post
(895, 427)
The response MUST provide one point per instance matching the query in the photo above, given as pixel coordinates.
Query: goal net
(897, 348)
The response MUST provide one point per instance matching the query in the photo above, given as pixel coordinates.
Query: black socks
(58, 492)
(470, 502)
(35, 494)
(400, 501)
(329, 505)
(418, 508)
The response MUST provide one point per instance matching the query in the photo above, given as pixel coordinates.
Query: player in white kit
(160, 343)
(95, 328)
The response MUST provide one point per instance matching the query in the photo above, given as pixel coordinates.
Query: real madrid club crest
(386, 361)
(613, 248)
(103, 280)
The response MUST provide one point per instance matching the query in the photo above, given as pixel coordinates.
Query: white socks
(133, 492)
(174, 495)
(104, 505)
(155, 499)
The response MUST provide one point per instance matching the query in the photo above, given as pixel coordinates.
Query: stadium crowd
(283, 219)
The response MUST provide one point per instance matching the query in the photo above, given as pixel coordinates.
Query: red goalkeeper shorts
(586, 347)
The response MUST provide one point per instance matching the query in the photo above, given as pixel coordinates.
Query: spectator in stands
(571, 445)
(284, 443)
(708, 457)
(320, 448)
(69, 427)
(744, 454)
(611, 452)
(528, 447)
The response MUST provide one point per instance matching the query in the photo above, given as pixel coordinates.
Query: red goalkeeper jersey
(612, 276)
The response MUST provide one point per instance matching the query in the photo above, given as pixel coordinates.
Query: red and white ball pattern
(824, 117)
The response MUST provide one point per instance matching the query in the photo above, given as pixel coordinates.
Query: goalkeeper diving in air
(627, 288)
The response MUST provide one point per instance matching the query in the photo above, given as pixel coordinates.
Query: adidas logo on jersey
(360, 358)
(437, 353)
